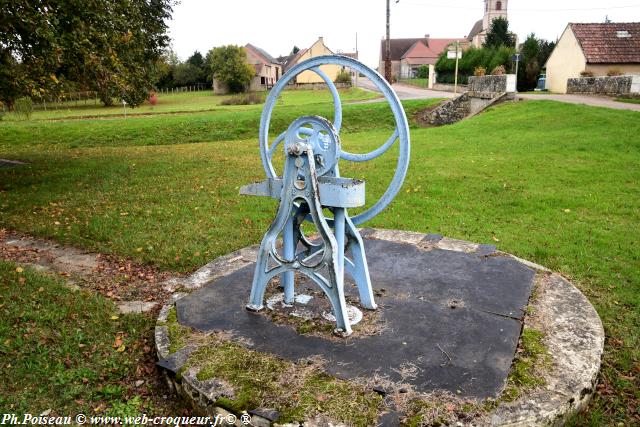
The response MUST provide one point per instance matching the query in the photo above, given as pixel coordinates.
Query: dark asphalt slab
(452, 319)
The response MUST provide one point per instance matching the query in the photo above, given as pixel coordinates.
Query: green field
(187, 102)
(423, 83)
(554, 183)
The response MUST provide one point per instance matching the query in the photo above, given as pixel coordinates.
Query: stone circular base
(449, 324)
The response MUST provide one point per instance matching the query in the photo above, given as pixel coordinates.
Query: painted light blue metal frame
(312, 149)
(401, 132)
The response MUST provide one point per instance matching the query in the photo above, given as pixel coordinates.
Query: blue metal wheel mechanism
(317, 136)
(323, 138)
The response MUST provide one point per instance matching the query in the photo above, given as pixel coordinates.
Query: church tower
(492, 10)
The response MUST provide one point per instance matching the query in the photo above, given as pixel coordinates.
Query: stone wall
(450, 112)
(446, 87)
(493, 84)
(616, 85)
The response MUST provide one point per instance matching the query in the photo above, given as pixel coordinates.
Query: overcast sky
(278, 25)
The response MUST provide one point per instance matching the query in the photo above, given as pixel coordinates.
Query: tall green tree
(499, 35)
(530, 70)
(546, 47)
(196, 60)
(229, 65)
(111, 46)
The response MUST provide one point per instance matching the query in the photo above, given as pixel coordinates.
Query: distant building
(492, 9)
(407, 55)
(268, 69)
(597, 48)
(316, 49)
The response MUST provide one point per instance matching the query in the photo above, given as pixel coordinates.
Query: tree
(196, 59)
(530, 70)
(229, 65)
(546, 47)
(186, 74)
(104, 45)
(499, 35)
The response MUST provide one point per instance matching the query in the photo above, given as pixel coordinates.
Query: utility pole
(387, 54)
(455, 84)
(358, 58)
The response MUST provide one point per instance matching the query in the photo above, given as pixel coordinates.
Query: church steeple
(492, 10)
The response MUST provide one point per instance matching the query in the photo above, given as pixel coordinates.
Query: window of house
(262, 80)
(498, 5)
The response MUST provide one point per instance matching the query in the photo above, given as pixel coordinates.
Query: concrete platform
(449, 319)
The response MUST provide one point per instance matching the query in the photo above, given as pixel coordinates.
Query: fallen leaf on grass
(19, 270)
(121, 348)
(114, 317)
(117, 342)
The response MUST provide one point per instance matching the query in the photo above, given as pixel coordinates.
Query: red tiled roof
(419, 54)
(404, 48)
(398, 47)
(609, 43)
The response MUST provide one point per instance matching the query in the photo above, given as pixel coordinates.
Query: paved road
(406, 91)
(596, 101)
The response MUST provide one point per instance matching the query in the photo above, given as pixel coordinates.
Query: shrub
(471, 59)
(498, 71)
(479, 71)
(23, 107)
(586, 73)
(423, 72)
(343, 77)
(614, 72)
(245, 99)
(153, 99)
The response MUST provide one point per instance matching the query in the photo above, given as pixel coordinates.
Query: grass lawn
(554, 183)
(189, 102)
(423, 83)
(629, 100)
(69, 352)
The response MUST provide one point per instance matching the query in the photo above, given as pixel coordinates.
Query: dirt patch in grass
(117, 278)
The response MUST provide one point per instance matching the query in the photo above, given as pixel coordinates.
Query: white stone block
(635, 83)
(511, 83)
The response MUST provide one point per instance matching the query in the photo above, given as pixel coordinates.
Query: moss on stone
(298, 391)
(178, 334)
(531, 356)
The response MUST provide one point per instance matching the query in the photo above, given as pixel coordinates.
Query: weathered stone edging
(574, 338)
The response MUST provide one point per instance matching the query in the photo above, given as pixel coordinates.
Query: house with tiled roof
(318, 48)
(407, 55)
(595, 48)
(268, 69)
